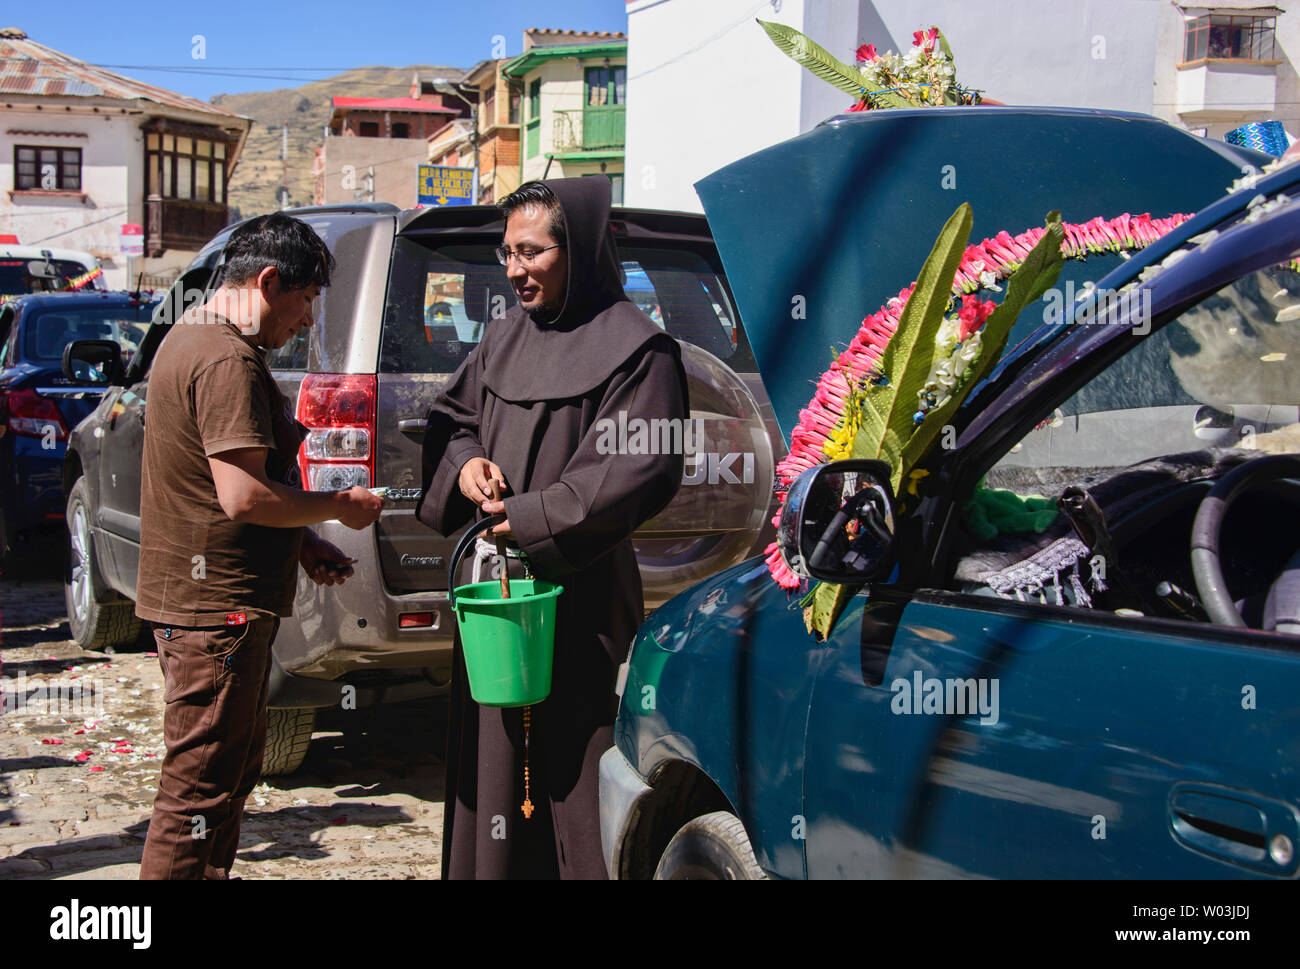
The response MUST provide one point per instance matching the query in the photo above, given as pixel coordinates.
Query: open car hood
(820, 231)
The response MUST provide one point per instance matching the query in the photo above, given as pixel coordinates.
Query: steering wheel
(1206, 565)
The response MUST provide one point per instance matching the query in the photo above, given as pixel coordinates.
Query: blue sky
(260, 46)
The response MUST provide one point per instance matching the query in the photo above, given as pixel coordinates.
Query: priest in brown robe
(525, 411)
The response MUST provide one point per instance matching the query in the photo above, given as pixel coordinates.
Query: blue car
(38, 404)
(1116, 695)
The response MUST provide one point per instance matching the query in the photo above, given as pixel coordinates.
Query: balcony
(181, 223)
(589, 129)
(1227, 90)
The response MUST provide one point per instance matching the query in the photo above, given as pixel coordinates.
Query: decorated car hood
(819, 231)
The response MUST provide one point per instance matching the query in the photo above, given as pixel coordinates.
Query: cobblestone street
(77, 777)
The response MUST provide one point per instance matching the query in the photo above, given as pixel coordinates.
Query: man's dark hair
(536, 193)
(298, 254)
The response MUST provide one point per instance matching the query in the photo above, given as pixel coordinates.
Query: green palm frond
(816, 58)
(1027, 284)
(887, 410)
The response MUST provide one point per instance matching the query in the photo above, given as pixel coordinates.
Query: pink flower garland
(1001, 256)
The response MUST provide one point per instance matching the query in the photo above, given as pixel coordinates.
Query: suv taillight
(31, 415)
(338, 411)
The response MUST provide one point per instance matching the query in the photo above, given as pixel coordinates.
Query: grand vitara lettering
(712, 467)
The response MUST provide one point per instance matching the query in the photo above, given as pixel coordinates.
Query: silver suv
(410, 298)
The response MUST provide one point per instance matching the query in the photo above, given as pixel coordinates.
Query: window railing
(181, 224)
(590, 128)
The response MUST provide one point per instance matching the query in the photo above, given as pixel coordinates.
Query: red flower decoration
(972, 314)
(866, 53)
(925, 39)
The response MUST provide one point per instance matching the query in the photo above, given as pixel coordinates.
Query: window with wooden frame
(180, 166)
(605, 86)
(535, 100)
(1230, 36)
(533, 126)
(42, 168)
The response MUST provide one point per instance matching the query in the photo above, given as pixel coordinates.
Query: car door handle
(412, 425)
(1234, 826)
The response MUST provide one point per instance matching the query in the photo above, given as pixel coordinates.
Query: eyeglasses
(525, 256)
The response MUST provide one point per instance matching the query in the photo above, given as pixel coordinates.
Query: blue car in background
(38, 404)
(1117, 696)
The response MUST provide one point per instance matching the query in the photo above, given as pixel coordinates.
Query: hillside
(307, 111)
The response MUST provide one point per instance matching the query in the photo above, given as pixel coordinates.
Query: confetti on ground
(82, 757)
(95, 769)
(51, 740)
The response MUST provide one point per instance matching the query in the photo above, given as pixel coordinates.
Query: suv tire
(288, 735)
(712, 847)
(99, 618)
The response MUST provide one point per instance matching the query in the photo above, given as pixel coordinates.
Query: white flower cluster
(882, 72)
(922, 76)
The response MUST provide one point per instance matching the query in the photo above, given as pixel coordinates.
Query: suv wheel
(96, 625)
(288, 735)
(712, 847)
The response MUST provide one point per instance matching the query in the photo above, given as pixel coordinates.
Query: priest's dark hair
(298, 254)
(537, 193)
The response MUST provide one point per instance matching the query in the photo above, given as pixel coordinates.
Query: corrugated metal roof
(27, 67)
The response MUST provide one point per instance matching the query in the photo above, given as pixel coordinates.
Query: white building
(707, 86)
(84, 151)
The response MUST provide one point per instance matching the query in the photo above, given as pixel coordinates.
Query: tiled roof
(391, 104)
(27, 67)
(590, 34)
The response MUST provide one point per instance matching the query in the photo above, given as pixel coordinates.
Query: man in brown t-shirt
(222, 533)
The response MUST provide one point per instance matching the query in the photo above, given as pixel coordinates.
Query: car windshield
(1223, 373)
(1111, 478)
(15, 277)
(47, 331)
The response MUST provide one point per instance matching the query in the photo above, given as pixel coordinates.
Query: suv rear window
(439, 301)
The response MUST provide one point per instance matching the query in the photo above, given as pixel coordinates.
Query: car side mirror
(837, 522)
(97, 362)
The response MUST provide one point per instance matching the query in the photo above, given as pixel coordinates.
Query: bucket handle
(462, 547)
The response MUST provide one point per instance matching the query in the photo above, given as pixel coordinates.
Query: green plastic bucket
(509, 644)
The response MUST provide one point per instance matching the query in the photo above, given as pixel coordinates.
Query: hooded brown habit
(530, 397)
